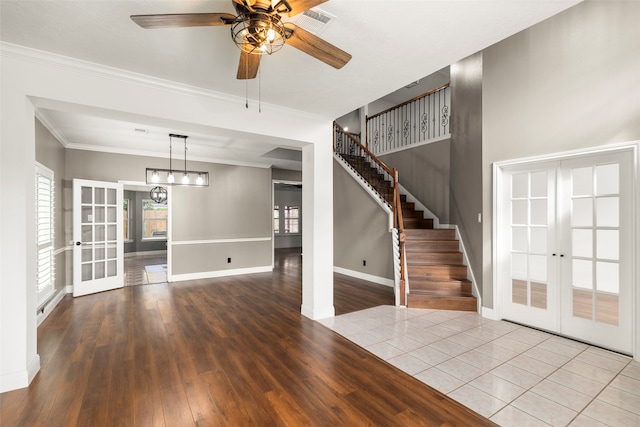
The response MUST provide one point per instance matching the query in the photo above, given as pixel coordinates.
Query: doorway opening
(287, 219)
(145, 226)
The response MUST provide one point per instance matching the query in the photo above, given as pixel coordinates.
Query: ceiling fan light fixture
(258, 33)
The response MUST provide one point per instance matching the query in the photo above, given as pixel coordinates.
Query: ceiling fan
(257, 30)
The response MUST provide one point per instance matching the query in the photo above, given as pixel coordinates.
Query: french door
(98, 244)
(565, 247)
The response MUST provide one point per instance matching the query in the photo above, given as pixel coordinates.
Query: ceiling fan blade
(248, 66)
(299, 6)
(316, 47)
(172, 20)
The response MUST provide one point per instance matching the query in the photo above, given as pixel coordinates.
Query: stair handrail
(396, 203)
(431, 92)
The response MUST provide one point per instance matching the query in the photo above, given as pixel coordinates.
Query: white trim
(498, 171)
(219, 273)
(146, 153)
(364, 276)
(20, 379)
(105, 72)
(216, 241)
(489, 313)
(368, 188)
(565, 155)
(497, 184)
(414, 145)
(47, 307)
(61, 250)
(145, 253)
(465, 260)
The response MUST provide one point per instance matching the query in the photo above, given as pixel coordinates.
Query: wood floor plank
(226, 351)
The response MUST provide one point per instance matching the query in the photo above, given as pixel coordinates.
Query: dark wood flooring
(228, 351)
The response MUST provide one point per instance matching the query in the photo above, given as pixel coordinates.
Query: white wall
(31, 79)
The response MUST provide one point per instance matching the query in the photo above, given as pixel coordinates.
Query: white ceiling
(393, 43)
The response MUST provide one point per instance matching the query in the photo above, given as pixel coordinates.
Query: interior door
(530, 285)
(565, 247)
(597, 250)
(98, 255)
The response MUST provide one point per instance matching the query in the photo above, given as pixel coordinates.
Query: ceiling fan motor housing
(258, 32)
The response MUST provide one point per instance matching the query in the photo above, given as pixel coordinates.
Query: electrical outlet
(228, 260)
(364, 262)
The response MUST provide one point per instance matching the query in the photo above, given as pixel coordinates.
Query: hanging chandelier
(171, 176)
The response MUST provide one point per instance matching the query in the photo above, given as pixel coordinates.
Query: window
(45, 270)
(291, 219)
(154, 220)
(276, 219)
(125, 219)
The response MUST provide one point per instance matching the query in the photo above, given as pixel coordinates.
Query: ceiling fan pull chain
(259, 91)
(246, 86)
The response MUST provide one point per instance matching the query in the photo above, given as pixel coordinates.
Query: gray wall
(570, 82)
(465, 198)
(424, 172)
(360, 228)
(286, 175)
(236, 205)
(50, 153)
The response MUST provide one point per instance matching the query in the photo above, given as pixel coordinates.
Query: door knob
(78, 243)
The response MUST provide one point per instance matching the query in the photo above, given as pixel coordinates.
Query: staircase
(437, 275)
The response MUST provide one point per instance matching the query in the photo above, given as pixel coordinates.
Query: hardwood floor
(227, 351)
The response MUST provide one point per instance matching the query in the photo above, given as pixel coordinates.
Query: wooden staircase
(437, 275)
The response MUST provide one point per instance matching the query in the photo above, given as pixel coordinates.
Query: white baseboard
(489, 313)
(219, 273)
(20, 379)
(49, 306)
(364, 276)
(145, 253)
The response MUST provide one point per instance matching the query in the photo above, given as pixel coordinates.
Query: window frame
(143, 220)
(45, 233)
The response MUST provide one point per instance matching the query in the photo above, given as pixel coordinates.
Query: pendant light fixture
(170, 176)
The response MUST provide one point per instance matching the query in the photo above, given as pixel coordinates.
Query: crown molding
(51, 128)
(42, 57)
(143, 153)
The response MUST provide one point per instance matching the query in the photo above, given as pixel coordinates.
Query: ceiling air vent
(314, 20)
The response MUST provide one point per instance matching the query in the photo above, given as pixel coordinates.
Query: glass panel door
(98, 246)
(531, 287)
(596, 297)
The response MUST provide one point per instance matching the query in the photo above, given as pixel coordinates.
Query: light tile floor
(514, 375)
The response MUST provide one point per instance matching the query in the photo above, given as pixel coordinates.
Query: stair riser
(455, 287)
(435, 234)
(422, 258)
(416, 247)
(417, 223)
(439, 271)
(442, 303)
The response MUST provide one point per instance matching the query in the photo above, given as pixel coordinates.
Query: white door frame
(498, 182)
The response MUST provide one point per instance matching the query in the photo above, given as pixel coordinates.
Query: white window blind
(45, 272)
